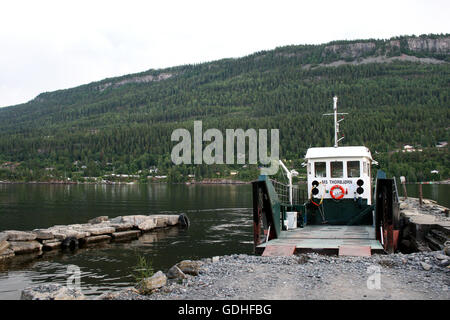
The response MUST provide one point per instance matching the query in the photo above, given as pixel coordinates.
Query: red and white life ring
(341, 195)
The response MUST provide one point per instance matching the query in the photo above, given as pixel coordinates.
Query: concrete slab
(356, 251)
(279, 250)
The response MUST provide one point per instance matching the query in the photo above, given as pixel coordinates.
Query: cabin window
(337, 169)
(353, 169)
(320, 169)
(309, 168)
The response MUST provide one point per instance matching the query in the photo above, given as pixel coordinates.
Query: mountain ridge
(396, 91)
(427, 43)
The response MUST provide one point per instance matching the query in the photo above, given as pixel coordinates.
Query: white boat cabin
(339, 173)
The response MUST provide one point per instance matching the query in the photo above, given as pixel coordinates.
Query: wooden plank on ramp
(356, 251)
(279, 250)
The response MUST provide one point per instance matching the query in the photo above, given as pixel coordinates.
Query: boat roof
(339, 152)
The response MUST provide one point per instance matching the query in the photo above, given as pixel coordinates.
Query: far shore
(204, 181)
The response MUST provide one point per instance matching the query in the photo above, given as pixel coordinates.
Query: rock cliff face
(353, 50)
(427, 45)
(140, 79)
(439, 45)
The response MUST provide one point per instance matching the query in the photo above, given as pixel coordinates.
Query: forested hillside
(396, 92)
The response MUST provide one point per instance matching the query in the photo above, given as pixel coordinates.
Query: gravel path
(312, 276)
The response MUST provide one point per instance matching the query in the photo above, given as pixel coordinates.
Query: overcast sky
(51, 45)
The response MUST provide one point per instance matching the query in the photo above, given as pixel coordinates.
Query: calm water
(220, 218)
(438, 192)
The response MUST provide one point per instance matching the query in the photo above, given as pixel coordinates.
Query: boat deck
(327, 237)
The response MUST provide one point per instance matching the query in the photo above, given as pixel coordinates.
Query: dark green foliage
(123, 126)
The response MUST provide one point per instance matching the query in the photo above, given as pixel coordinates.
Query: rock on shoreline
(97, 230)
(51, 291)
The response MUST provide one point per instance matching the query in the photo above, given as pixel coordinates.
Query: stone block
(14, 235)
(22, 247)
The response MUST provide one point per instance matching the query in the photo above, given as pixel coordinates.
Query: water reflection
(437, 192)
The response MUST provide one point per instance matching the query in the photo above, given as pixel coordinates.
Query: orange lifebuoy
(342, 192)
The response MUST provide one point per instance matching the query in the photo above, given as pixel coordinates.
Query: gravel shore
(423, 275)
(428, 208)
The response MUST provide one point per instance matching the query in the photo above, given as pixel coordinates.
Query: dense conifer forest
(396, 92)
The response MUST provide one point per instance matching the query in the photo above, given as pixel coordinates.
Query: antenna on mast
(336, 121)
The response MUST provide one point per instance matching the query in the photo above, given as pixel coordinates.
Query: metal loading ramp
(326, 237)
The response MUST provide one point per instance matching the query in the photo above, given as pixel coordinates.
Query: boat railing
(282, 190)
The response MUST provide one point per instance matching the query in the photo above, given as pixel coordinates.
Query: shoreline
(307, 276)
(422, 275)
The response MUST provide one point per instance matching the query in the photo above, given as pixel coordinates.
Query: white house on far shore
(408, 148)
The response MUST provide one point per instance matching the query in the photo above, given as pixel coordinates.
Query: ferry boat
(340, 211)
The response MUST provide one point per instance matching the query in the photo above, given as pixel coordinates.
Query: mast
(336, 124)
(336, 121)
